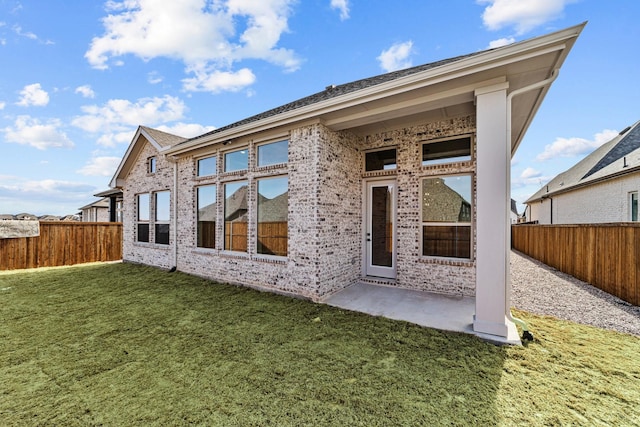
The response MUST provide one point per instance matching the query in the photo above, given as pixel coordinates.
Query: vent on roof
(625, 130)
(330, 87)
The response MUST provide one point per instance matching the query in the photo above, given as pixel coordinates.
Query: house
(115, 203)
(515, 216)
(601, 188)
(313, 196)
(96, 212)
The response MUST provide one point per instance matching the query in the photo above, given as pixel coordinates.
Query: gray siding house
(336, 188)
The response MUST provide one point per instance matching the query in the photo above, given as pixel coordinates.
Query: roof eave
(583, 184)
(466, 66)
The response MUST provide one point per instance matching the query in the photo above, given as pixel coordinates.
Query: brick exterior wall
(604, 202)
(140, 181)
(325, 228)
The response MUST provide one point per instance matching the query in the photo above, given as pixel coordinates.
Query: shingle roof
(164, 139)
(616, 157)
(333, 91)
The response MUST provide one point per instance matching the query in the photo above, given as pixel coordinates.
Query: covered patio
(428, 309)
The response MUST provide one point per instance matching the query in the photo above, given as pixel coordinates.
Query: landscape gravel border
(543, 290)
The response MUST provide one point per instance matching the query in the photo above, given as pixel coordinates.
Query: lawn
(121, 344)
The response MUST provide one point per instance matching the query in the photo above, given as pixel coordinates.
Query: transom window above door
(380, 160)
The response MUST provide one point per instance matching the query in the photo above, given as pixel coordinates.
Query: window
(162, 217)
(380, 160)
(448, 151)
(273, 153)
(119, 211)
(446, 216)
(207, 211)
(236, 160)
(207, 166)
(273, 213)
(235, 216)
(143, 218)
(633, 206)
(151, 165)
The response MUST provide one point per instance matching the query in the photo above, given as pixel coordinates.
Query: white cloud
(523, 15)
(186, 130)
(529, 176)
(30, 131)
(501, 42)
(33, 95)
(85, 91)
(207, 36)
(396, 57)
(571, 147)
(219, 81)
(114, 138)
(27, 34)
(342, 6)
(2, 105)
(100, 166)
(530, 173)
(154, 78)
(121, 114)
(47, 196)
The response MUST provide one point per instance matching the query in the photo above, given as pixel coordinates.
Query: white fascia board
(491, 59)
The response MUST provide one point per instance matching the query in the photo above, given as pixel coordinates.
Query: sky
(77, 77)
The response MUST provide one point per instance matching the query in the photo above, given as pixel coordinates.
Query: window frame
(162, 222)
(264, 144)
(215, 165)
(215, 222)
(152, 165)
(257, 216)
(141, 221)
(470, 224)
(230, 248)
(226, 162)
(377, 150)
(637, 206)
(445, 160)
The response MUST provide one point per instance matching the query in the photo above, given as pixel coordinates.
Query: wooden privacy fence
(604, 255)
(63, 243)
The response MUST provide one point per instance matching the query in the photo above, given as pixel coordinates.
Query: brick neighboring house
(97, 211)
(334, 184)
(601, 188)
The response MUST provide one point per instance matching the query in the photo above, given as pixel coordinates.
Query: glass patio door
(381, 229)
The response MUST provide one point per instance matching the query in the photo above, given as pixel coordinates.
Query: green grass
(120, 344)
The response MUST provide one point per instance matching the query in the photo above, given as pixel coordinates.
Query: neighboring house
(318, 194)
(514, 215)
(96, 212)
(49, 218)
(26, 217)
(603, 187)
(114, 197)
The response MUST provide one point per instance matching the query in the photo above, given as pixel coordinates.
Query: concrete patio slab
(444, 312)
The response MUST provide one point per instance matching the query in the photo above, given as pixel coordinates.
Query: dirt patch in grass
(123, 344)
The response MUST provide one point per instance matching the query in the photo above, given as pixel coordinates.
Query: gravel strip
(540, 289)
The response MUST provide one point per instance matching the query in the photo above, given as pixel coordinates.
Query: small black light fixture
(227, 142)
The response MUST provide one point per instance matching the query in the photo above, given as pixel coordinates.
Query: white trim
(369, 269)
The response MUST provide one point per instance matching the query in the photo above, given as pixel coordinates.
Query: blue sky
(77, 77)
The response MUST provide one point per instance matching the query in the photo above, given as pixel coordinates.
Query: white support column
(493, 151)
